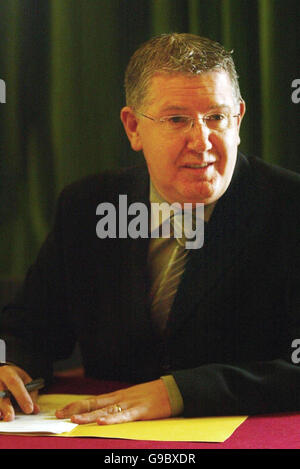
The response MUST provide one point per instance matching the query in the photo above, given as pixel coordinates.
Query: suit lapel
(225, 236)
(134, 286)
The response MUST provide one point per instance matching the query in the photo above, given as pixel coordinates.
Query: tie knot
(186, 227)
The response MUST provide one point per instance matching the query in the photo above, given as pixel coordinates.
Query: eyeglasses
(178, 123)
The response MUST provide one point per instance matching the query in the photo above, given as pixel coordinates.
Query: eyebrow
(220, 106)
(173, 108)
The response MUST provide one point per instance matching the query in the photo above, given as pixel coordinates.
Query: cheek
(162, 157)
(227, 151)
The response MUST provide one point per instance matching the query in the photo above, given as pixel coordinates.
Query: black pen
(32, 386)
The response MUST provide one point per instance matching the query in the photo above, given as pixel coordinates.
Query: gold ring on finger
(117, 408)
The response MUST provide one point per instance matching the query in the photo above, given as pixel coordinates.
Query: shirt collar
(159, 217)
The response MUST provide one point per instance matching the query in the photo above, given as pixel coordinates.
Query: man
(225, 345)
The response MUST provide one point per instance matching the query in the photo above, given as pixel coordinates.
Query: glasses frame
(192, 120)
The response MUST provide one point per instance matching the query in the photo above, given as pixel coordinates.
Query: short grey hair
(183, 53)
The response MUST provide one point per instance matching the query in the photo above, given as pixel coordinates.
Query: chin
(203, 193)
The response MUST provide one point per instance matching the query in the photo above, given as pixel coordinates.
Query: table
(280, 431)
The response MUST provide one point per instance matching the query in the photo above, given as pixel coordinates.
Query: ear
(130, 123)
(242, 110)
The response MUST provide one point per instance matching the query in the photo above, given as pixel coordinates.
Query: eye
(178, 119)
(176, 122)
(215, 117)
(217, 121)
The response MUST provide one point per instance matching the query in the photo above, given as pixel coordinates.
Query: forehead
(178, 91)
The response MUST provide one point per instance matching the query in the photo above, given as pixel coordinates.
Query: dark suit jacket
(236, 313)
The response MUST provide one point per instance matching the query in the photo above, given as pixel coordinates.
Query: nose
(198, 137)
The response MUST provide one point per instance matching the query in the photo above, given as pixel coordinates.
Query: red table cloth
(280, 431)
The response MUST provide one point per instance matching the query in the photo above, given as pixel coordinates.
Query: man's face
(175, 159)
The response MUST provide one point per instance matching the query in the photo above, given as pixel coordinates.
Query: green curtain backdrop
(63, 63)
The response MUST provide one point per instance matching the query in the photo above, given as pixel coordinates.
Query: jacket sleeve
(253, 387)
(35, 326)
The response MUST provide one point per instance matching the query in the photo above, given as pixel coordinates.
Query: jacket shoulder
(105, 185)
(278, 189)
(273, 176)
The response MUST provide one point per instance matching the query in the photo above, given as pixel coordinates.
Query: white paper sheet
(44, 422)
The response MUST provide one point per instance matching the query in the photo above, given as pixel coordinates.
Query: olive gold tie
(164, 295)
(166, 263)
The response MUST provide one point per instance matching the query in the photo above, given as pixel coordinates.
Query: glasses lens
(176, 123)
(217, 121)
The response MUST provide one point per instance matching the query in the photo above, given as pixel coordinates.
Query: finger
(14, 383)
(34, 396)
(9, 413)
(7, 410)
(93, 416)
(128, 415)
(36, 408)
(23, 375)
(84, 406)
(88, 417)
(76, 407)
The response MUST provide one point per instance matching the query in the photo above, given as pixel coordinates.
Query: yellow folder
(205, 429)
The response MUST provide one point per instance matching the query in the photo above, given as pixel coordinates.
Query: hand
(14, 379)
(145, 401)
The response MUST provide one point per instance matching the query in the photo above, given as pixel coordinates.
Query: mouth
(198, 165)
